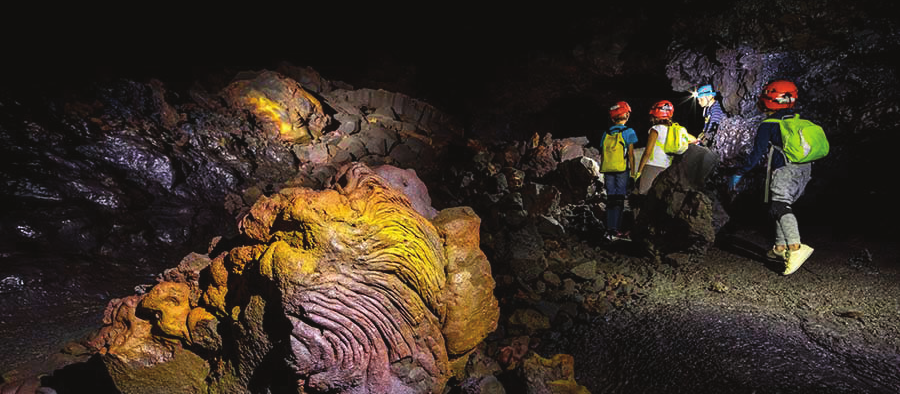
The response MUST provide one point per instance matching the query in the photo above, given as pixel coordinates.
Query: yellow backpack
(613, 152)
(677, 139)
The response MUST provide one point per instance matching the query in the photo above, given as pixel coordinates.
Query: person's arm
(691, 139)
(631, 159)
(600, 147)
(715, 117)
(707, 136)
(760, 146)
(716, 114)
(651, 142)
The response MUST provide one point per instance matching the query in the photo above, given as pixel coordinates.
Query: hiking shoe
(775, 254)
(796, 258)
(618, 236)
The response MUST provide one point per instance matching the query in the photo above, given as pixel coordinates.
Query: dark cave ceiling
(506, 61)
(178, 45)
(467, 61)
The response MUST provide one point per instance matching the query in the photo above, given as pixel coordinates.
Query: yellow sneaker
(776, 254)
(796, 258)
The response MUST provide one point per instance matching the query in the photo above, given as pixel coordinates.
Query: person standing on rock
(788, 180)
(616, 165)
(712, 116)
(655, 160)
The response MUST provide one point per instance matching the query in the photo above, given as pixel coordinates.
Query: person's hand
(698, 140)
(701, 139)
(732, 183)
(635, 175)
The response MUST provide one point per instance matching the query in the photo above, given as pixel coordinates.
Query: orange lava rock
(170, 302)
(280, 105)
(342, 290)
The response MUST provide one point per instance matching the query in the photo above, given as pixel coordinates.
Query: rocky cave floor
(733, 322)
(728, 322)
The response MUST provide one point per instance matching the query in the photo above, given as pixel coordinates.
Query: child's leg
(780, 241)
(788, 184)
(645, 182)
(614, 212)
(615, 198)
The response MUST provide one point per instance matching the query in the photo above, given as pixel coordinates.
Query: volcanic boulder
(338, 290)
(279, 105)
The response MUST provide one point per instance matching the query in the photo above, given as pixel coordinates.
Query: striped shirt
(712, 115)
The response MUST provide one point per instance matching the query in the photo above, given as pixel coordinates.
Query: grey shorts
(789, 182)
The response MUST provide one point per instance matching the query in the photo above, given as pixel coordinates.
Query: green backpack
(613, 152)
(804, 141)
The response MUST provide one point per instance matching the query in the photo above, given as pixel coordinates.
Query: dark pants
(616, 184)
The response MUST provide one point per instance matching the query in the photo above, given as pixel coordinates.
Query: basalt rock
(555, 375)
(279, 104)
(838, 53)
(343, 290)
(679, 213)
(576, 179)
(393, 127)
(414, 189)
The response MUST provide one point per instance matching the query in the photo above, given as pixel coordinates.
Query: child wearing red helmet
(655, 160)
(618, 141)
(788, 180)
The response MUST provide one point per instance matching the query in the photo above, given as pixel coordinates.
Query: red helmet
(779, 94)
(662, 109)
(619, 108)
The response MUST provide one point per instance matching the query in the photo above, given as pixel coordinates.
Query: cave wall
(837, 52)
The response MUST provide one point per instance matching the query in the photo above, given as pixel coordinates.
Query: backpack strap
(773, 120)
(773, 147)
(617, 128)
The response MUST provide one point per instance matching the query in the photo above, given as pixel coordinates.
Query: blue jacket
(766, 133)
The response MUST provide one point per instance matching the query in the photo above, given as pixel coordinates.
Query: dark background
(444, 54)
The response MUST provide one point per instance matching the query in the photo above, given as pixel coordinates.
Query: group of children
(788, 176)
(652, 162)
